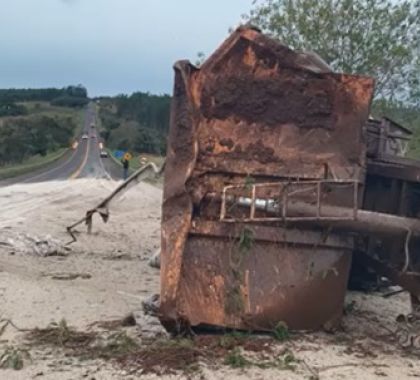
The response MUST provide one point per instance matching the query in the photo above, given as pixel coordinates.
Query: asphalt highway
(82, 162)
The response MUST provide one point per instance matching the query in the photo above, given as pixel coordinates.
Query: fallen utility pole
(147, 171)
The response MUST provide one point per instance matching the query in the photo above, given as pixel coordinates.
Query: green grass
(46, 109)
(31, 164)
(235, 359)
(38, 161)
(281, 331)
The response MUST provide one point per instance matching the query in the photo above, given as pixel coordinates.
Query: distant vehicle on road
(85, 136)
(104, 154)
(93, 136)
(92, 125)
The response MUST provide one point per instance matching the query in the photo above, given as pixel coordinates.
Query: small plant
(232, 339)
(63, 331)
(286, 362)
(246, 240)
(227, 341)
(313, 377)
(117, 344)
(234, 302)
(201, 57)
(180, 343)
(289, 360)
(349, 307)
(60, 334)
(13, 358)
(281, 331)
(235, 359)
(239, 335)
(249, 182)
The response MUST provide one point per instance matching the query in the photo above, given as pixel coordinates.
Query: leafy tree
(77, 91)
(124, 136)
(138, 122)
(22, 138)
(379, 38)
(201, 57)
(41, 94)
(71, 96)
(29, 94)
(149, 141)
(70, 101)
(109, 119)
(11, 109)
(149, 110)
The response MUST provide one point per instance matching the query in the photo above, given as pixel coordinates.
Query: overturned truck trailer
(264, 185)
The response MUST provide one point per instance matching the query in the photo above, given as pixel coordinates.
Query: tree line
(23, 134)
(22, 138)
(70, 96)
(40, 94)
(138, 122)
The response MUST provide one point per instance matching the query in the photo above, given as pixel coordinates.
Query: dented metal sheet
(280, 275)
(256, 112)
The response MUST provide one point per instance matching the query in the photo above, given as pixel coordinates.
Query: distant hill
(38, 122)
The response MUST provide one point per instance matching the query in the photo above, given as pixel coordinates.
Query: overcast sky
(110, 46)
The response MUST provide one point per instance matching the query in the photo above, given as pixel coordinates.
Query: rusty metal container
(284, 275)
(258, 113)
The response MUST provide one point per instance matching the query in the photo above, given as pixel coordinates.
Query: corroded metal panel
(255, 111)
(284, 275)
(297, 284)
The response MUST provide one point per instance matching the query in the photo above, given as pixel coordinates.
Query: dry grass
(165, 356)
(160, 355)
(60, 335)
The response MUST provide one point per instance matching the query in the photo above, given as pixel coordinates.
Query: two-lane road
(82, 162)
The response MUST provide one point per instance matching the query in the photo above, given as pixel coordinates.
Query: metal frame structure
(285, 197)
